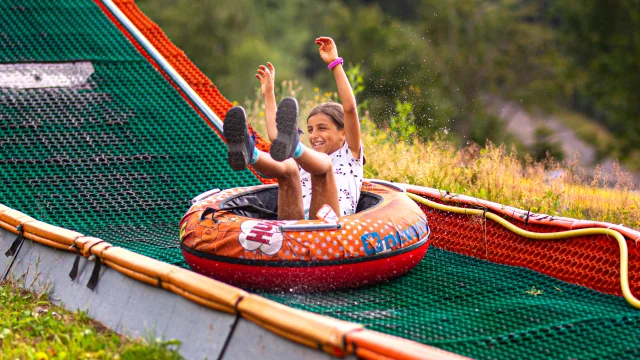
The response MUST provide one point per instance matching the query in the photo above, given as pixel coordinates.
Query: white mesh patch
(42, 75)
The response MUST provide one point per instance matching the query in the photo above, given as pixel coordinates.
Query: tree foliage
(442, 57)
(602, 42)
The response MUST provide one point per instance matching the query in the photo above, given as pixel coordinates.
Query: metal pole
(164, 64)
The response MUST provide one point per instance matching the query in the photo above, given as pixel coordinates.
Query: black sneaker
(239, 141)
(287, 140)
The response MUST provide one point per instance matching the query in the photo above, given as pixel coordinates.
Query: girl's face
(324, 135)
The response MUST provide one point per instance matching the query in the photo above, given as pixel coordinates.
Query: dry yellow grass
(494, 172)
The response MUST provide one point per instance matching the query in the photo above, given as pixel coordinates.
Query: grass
(494, 172)
(31, 327)
(500, 175)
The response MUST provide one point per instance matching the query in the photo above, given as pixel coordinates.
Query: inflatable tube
(234, 236)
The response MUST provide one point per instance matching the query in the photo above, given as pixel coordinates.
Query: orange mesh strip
(179, 61)
(591, 261)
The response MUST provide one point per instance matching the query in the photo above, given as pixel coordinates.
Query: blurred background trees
(440, 66)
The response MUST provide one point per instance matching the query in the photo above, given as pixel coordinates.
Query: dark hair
(333, 110)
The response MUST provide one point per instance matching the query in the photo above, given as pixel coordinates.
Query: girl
(330, 172)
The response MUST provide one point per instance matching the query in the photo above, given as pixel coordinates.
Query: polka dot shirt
(348, 174)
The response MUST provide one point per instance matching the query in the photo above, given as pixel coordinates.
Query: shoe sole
(235, 129)
(287, 125)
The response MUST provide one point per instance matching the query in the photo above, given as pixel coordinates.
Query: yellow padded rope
(622, 244)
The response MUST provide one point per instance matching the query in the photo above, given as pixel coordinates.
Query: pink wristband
(335, 63)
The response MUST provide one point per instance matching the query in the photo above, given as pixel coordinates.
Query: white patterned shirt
(348, 172)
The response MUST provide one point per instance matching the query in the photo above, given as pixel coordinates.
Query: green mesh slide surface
(121, 156)
(487, 311)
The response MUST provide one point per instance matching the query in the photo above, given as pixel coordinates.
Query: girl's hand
(328, 49)
(267, 77)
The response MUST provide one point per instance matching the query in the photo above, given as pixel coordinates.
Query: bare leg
(289, 186)
(324, 191)
(323, 184)
(241, 148)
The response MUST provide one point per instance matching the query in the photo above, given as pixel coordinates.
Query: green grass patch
(31, 327)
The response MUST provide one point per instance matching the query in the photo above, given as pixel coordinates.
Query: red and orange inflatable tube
(385, 240)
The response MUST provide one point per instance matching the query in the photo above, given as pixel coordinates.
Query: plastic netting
(121, 156)
(488, 311)
(199, 82)
(590, 260)
(118, 158)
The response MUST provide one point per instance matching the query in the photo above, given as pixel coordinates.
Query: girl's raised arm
(329, 53)
(267, 76)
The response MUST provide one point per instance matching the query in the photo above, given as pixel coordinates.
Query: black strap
(73, 274)
(74, 270)
(251, 207)
(13, 250)
(526, 220)
(233, 329)
(228, 339)
(95, 274)
(93, 280)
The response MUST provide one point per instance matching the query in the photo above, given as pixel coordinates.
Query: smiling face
(324, 135)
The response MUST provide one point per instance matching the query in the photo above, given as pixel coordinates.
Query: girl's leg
(242, 152)
(323, 184)
(289, 186)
